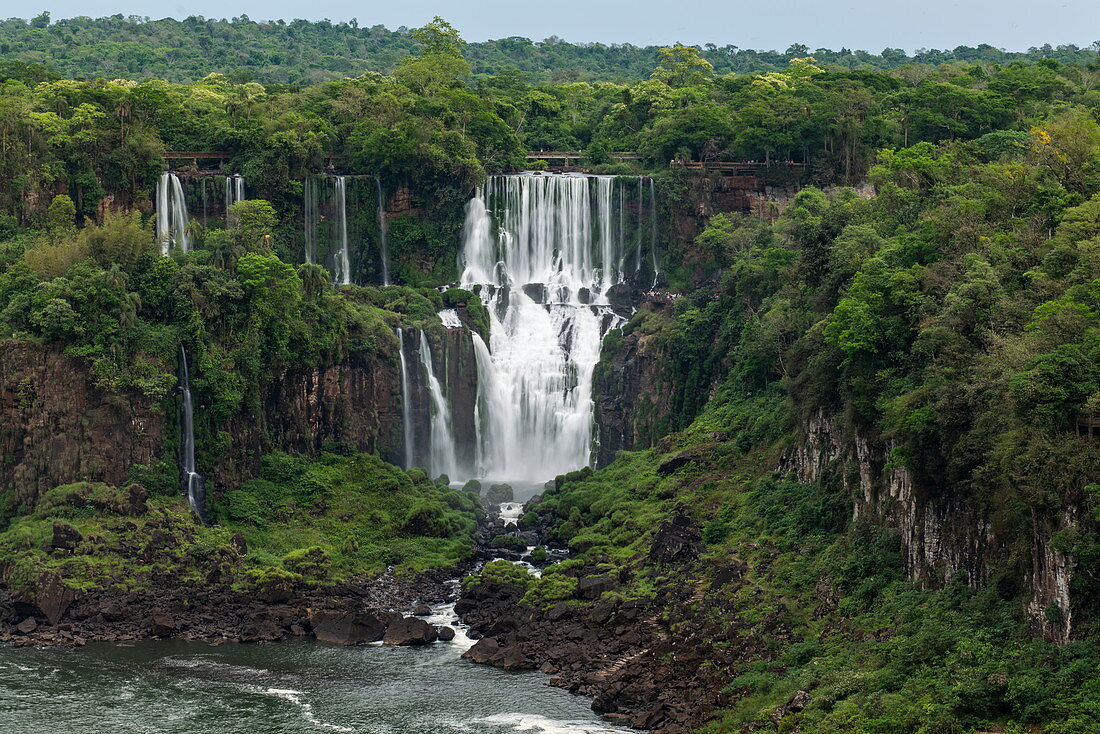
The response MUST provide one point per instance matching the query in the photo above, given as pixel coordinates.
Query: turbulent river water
(289, 687)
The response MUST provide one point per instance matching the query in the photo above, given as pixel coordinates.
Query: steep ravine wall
(633, 387)
(57, 427)
(353, 405)
(941, 536)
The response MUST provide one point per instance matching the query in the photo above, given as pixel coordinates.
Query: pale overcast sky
(867, 24)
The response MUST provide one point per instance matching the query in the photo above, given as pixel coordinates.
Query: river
(287, 687)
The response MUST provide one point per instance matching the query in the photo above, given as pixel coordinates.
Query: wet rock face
(632, 389)
(58, 427)
(409, 631)
(355, 404)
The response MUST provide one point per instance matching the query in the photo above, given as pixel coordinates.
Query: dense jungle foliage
(304, 52)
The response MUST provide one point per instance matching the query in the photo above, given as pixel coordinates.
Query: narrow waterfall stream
(341, 274)
(546, 251)
(192, 480)
(383, 231)
(443, 441)
(234, 192)
(406, 403)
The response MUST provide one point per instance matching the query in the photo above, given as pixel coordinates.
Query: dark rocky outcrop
(624, 654)
(348, 614)
(57, 427)
(347, 628)
(409, 631)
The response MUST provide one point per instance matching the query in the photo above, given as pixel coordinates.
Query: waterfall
(383, 232)
(653, 229)
(406, 404)
(234, 192)
(309, 211)
(638, 249)
(342, 269)
(192, 480)
(544, 251)
(171, 214)
(443, 442)
(450, 318)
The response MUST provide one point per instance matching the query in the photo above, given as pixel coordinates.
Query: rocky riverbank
(362, 611)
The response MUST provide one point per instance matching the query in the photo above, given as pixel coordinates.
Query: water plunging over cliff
(383, 232)
(442, 460)
(341, 273)
(406, 403)
(234, 192)
(192, 480)
(547, 250)
(171, 214)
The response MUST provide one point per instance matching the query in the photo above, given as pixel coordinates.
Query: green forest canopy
(304, 52)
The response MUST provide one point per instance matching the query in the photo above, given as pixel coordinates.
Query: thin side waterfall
(638, 248)
(342, 266)
(309, 211)
(653, 230)
(383, 232)
(171, 214)
(192, 480)
(234, 192)
(545, 251)
(406, 404)
(443, 442)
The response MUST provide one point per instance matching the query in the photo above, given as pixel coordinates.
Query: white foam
(443, 615)
(295, 697)
(510, 512)
(544, 725)
(450, 319)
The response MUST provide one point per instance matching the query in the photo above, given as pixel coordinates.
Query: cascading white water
(191, 478)
(450, 318)
(545, 252)
(234, 192)
(406, 403)
(171, 214)
(342, 265)
(442, 459)
(383, 232)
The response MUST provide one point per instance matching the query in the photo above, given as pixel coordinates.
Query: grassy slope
(301, 521)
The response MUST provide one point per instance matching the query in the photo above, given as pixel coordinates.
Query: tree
(439, 38)
(61, 216)
(682, 66)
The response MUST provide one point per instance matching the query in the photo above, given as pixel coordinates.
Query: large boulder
(65, 536)
(409, 631)
(489, 651)
(161, 624)
(677, 540)
(593, 587)
(348, 628)
(499, 493)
